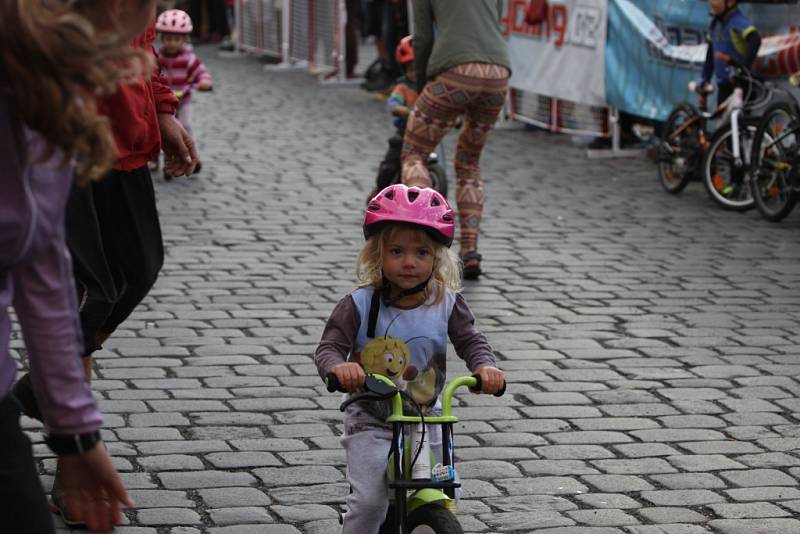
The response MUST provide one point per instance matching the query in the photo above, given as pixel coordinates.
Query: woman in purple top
(53, 59)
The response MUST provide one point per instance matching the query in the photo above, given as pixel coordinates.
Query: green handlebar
(450, 389)
(397, 400)
(447, 398)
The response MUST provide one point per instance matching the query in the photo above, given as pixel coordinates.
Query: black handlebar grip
(332, 383)
(479, 387)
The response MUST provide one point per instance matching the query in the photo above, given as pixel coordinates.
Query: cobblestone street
(651, 342)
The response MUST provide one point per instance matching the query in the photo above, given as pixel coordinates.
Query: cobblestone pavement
(651, 342)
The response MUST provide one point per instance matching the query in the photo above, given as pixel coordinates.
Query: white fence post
(286, 28)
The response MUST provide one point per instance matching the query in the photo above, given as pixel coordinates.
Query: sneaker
(23, 392)
(58, 503)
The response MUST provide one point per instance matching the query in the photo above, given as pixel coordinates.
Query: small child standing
(404, 93)
(397, 324)
(179, 64)
(400, 103)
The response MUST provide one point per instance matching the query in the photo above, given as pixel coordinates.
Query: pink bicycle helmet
(405, 51)
(174, 21)
(423, 207)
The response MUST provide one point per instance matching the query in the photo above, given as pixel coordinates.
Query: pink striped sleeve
(197, 72)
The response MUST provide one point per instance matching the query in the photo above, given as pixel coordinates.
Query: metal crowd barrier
(298, 32)
(559, 115)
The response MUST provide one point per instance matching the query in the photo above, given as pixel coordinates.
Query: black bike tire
(436, 517)
(675, 187)
(438, 178)
(767, 212)
(714, 143)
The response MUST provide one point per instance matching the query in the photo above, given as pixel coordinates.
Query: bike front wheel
(433, 519)
(775, 151)
(726, 179)
(679, 150)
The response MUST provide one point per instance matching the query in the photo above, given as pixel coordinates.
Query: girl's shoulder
(362, 296)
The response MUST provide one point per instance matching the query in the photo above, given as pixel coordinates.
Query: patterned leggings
(478, 91)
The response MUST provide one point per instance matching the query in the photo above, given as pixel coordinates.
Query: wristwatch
(62, 444)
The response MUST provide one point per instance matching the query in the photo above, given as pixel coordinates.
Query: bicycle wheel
(727, 182)
(774, 151)
(433, 519)
(438, 178)
(679, 151)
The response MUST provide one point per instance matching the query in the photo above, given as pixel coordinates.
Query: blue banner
(655, 47)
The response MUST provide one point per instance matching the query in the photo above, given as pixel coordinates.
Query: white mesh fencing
(260, 26)
(559, 115)
(317, 33)
(308, 32)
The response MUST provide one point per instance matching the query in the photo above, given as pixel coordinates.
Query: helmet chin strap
(384, 294)
(387, 288)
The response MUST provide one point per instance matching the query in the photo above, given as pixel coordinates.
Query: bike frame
(426, 491)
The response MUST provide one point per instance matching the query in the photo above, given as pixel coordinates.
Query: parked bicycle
(684, 141)
(413, 467)
(689, 150)
(775, 184)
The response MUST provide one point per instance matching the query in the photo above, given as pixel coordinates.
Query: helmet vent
(447, 217)
(389, 194)
(435, 202)
(412, 196)
(374, 207)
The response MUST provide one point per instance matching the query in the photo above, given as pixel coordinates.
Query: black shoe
(600, 143)
(471, 265)
(381, 82)
(23, 392)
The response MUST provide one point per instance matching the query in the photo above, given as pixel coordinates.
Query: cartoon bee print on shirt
(388, 356)
(421, 374)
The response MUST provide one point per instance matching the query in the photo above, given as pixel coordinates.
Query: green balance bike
(424, 496)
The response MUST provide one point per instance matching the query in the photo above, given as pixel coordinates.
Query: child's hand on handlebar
(492, 379)
(350, 376)
(701, 87)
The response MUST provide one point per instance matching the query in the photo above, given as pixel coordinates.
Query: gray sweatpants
(366, 442)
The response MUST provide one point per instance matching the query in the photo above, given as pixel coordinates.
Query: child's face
(408, 258)
(718, 6)
(173, 42)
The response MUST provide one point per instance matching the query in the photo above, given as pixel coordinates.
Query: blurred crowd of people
(386, 22)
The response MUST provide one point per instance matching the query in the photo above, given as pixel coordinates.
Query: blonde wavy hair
(369, 265)
(56, 56)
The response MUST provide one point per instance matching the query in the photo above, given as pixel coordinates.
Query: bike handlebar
(701, 88)
(472, 382)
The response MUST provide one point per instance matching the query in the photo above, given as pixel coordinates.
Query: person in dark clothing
(112, 227)
(211, 20)
(733, 41)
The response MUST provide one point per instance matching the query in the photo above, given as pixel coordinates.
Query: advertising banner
(655, 47)
(562, 57)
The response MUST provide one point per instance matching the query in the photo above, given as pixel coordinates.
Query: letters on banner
(562, 57)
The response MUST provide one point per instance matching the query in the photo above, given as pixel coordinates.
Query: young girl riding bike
(396, 324)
